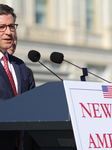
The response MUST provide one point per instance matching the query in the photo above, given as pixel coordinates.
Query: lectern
(43, 112)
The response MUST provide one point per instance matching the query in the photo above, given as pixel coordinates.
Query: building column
(107, 24)
(75, 21)
(53, 14)
(29, 12)
(62, 11)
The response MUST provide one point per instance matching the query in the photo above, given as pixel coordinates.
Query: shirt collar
(1, 55)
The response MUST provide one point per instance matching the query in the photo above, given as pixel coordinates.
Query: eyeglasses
(12, 27)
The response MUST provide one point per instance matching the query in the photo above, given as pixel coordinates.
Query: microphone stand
(85, 72)
(50, 70)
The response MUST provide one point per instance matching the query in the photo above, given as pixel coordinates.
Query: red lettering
(96, 110)
(110, 139)
(102, 141)
(84, 108)
(107, 112)
(91, 141)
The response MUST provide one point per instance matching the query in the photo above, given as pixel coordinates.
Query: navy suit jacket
(25, 83)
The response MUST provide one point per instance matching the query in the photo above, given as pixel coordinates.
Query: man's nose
(8, 31)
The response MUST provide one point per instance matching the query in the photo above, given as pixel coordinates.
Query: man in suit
(20, 74)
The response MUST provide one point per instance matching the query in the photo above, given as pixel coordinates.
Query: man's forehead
(6, 19)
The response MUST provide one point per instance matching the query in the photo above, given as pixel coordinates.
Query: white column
(75, 21)
(62, 13)
(106, 15)
(29, 12)
(53, 12)
(98, 16)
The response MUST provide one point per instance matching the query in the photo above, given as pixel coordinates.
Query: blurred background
(80, 29)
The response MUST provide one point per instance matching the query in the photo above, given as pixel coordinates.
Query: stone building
(80, 29)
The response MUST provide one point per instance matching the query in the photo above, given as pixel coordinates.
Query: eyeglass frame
(5, 27)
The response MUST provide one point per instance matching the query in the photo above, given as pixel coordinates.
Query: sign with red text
(90, 108)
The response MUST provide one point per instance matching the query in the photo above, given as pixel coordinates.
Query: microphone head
(57, 57)
(34, 55)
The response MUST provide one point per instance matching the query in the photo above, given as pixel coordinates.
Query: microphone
(34, 56)
(57, 57)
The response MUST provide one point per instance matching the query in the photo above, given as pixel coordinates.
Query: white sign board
(90, 108)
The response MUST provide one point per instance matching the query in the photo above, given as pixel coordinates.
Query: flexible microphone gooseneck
(34, 56)
(57, 57)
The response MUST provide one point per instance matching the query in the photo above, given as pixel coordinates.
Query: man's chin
(8, 46)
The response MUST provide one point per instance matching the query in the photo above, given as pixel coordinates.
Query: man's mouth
(8, 40)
